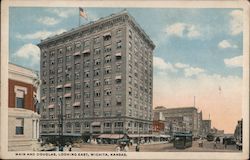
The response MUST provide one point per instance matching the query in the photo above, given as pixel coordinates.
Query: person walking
(137, 148)
(118, 148)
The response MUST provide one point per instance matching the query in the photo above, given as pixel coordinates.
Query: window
(69, 48)
(60, 60)
(107, 81)
(118, 67)
(107, 59)
(20, 94)
(107, 103)
(77, 75)
(130, 57)
(130, 46)
(86, 43)
(86, 73)
(87, 95)
(130, 91)
(77, 86)
(86, 104)
(86, 124)
(130, 68)
(97, 104)
(78, 45)
(96, 72)
(59, 70)
(107, 124)
(118, 124)
(68, 77)
(130, 34)
(97, 50)
(108, 92)
(97, 83)
(97, 40)
(119, 44)
(108, 70)
(77, 66)
(68, 58)
(107, 37)
(77, 95)
(130, 80)
(86, 84)
(107, 48)
(119, 32)
(86, 63)
(19, 126)
(97, 61)
(97, 93)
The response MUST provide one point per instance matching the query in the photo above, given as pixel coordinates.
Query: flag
(83, 13)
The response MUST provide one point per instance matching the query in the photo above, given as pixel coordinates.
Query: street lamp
(60, 119)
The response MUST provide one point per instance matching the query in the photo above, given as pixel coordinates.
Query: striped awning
(107, 34)
(95, 123)
(118, 54)
(77, 53)
(51, 106)
(76, 104)
(118, 77)
(59, 86)
(67, 95)
(86, 51)
(67, 85)
(44, 97)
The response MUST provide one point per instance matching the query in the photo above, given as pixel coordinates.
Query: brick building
(23, 120)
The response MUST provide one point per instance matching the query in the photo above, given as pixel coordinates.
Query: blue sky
(197, 50)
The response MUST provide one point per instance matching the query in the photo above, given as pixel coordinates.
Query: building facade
(206, 127)
(23, 120)
(101, 75)
(183, 119)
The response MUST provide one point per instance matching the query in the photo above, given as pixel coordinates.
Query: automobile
(229, 141)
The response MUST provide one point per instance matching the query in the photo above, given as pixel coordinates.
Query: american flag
(83, 13)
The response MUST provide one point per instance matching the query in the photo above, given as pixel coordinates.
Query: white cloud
(181, 65)
(183, 30)
(226, 44)
(50, 21)
(234, 62)
(191, 71)
(236, 22)
(29, 52)
(64, 12)
(160, 64)
(40, 34)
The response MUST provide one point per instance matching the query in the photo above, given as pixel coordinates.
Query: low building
(158, 126)
(206, 127)
(181, 119)
(23, 120)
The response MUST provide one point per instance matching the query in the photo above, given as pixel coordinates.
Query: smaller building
(158, 126)
(23, 120)
(206, 127)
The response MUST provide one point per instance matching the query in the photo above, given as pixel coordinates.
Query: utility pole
(61, 126)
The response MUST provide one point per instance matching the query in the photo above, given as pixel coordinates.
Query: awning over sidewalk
(95, 123)
(111, 136)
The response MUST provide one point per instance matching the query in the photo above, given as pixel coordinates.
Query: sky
(198, 52)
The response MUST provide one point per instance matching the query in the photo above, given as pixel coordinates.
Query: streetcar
(183, 140)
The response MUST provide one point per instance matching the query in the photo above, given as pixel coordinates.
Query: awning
(116, 136)
(67, 95)
(86, 51)
(43, 97)
(118, 77)
(76, 104)
(118, 54)
(95, 123)
(104, 136)
(59, 86)
(77, 53)
(51, 106)
(67, 85)
(107, 34)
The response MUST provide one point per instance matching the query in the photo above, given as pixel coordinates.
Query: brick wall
(28, 98)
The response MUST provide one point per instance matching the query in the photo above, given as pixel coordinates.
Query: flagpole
(78, 17)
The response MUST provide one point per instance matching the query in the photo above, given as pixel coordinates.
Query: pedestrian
(137, 148)
(70, 148)
(225, 144)
(200, 142)
(215, 145)
(118, 148)
(126, 148)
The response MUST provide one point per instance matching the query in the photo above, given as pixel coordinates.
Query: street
(160, 147)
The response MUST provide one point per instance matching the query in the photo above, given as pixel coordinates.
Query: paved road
(166, 147)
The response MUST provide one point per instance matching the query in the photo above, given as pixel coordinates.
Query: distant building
(206, 127)
(23, 120)
(183, 119)
(158, 126)
(238, 132)
(103, 73)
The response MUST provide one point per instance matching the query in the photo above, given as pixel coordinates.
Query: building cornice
(92, 27)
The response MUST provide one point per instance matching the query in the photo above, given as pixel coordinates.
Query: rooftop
(91, 23)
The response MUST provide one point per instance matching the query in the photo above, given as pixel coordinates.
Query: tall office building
(103, 74)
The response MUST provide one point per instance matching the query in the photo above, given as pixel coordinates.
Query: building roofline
(100, 20)
(167, 108)
(29, 69)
